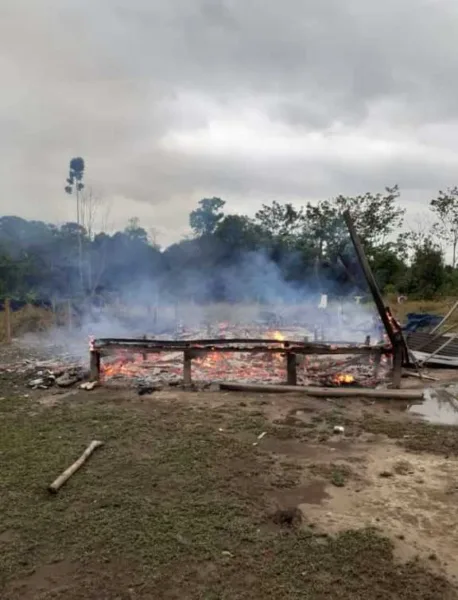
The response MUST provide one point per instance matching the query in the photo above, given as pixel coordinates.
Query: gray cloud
(170, 101)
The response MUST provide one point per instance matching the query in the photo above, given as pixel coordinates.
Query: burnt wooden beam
(233, 345)
(291, 368)
(305, 350)
(94, 365)
(369, 276)
(187, 367)
(147, 342)
(395, 334)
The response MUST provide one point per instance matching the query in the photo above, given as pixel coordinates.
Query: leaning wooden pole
(369, 277)
(401, 353)
(59, 482)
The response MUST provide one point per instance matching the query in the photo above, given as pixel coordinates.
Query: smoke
(250, 295)
(189, 288)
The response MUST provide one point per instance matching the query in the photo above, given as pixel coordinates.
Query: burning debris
(152, 362)
(256, 356)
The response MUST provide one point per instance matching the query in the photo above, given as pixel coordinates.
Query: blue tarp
(418, 321)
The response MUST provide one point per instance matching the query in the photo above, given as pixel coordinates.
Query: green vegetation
(231, 257)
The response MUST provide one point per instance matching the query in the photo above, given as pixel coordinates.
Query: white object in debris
(260, 436)
(88, 385)
(358, 299)
(323, 301)
(338, 429)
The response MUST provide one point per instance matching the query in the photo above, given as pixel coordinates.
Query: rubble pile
(150, 371)
(167, 369)
(44, 374)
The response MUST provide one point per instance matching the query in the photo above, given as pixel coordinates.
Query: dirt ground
(216, 495)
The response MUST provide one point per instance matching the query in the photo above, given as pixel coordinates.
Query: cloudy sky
(169, 101)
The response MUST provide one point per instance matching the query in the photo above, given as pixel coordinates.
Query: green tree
(376, 216)
(205, 219)
(134, 232)
(75, 185)
(445, 207)
(281, 221)
(427, 272)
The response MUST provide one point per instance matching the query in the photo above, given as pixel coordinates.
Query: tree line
(284, 252)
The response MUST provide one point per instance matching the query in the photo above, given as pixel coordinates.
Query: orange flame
(344, 379)
(216, 365)
(278, 336)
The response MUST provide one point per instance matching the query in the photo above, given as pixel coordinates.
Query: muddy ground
(224, 495)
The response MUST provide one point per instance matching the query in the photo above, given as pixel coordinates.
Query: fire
(344, 379)
(278, 336)
(125, 365)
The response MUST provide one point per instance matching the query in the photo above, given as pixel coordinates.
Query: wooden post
(291, 369)
(145, 354)
(7, 316)
(397, 365)
(94, 367)
(367, 342)
(187, 361)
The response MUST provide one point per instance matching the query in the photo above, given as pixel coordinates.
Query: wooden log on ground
(59, 482)
(323, 392)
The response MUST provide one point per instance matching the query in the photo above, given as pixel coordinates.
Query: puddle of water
(438, 407)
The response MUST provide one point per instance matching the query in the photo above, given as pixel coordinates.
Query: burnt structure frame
(290, 349)
(196, 348)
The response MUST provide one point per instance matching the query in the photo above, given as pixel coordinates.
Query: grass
(170, 507)
(27, 320)
(438, 307)
(337, 474)
(416, 436)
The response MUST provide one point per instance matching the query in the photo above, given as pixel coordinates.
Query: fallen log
(59, 482)
(323, 392)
